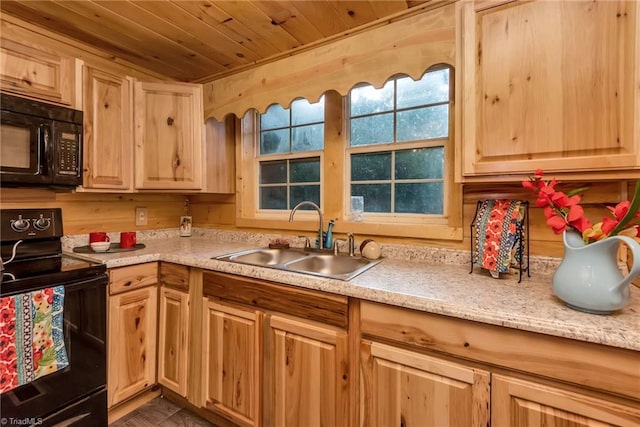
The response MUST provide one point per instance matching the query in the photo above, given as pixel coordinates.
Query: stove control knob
(42, 223)
(20, 224)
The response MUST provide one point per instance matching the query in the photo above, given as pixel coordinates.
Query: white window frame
(335, 186)
(407, 218)
(392, 217)
(279, 157)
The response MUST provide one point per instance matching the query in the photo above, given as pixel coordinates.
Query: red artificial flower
(620, 210)
(608, 225)
(557, 224)
(529, 185)
(564, 211)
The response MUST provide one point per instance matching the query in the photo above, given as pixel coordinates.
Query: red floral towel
(496, 233)
(31, 336)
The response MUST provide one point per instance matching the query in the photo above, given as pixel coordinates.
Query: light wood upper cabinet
(108, 130)
(520, 403)
(306, 369)
(405, 388)
(37, 72)
(168, 136)
(232, 363)
(553, 85)
(132, 343)
(173, 340)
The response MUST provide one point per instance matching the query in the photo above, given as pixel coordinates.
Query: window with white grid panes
(291, 141)
(396, 150)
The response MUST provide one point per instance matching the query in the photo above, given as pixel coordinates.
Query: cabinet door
(404, 388)
(232, 362)
(307, 374)
(132, 343)
(37, 72)
(168, 136)
(173, 342)
(517, 402)
(108, 130)
(551, 84)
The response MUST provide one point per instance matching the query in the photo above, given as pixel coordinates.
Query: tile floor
(161, 412)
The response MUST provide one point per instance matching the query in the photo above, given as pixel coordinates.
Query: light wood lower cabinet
(306, 366)
(173, 340)
(520, 403)
(254, 353)
(428, 375)
(232, 363)
(274, 355)
(405, 388)
(132, 343)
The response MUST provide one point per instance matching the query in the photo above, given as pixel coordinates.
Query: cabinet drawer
(132, 277)
(174, 276)
(313, 305)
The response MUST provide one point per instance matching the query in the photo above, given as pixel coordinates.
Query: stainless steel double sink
(308, 261)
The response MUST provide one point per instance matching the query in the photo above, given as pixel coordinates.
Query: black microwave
(40, 144)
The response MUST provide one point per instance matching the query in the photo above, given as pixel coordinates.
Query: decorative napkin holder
(500, 236)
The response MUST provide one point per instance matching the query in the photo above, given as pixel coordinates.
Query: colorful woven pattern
(497, 226)
(31, 336)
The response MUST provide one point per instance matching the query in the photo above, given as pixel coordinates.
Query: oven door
(24, 148)
(84, 380)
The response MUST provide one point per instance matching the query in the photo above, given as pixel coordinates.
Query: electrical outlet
(141, 216)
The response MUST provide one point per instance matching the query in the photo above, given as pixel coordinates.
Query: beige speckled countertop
(427, 279)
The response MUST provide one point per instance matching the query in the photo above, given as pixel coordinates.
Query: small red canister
(127, 239)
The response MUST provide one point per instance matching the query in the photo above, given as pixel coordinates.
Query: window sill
(434, 231)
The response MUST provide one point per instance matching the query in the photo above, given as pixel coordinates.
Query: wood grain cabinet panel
(108, 130)
(405, 388)
(232, 341)
(173, 340)
(520, 403)
(36, 72)
(552, 85)
(174, 276)
(288, 346)
(168, 136)
(131, 363)
(307, 374)
(123, 279)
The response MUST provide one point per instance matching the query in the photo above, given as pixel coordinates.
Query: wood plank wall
(86, 212)
(218, 211)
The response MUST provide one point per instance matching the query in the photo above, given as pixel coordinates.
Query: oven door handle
(72, 420)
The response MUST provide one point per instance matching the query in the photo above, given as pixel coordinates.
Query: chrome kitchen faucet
(317, 208)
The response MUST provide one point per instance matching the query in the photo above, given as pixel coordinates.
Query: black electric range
(32, 260)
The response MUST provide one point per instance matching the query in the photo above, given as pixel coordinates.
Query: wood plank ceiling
(199, 40)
